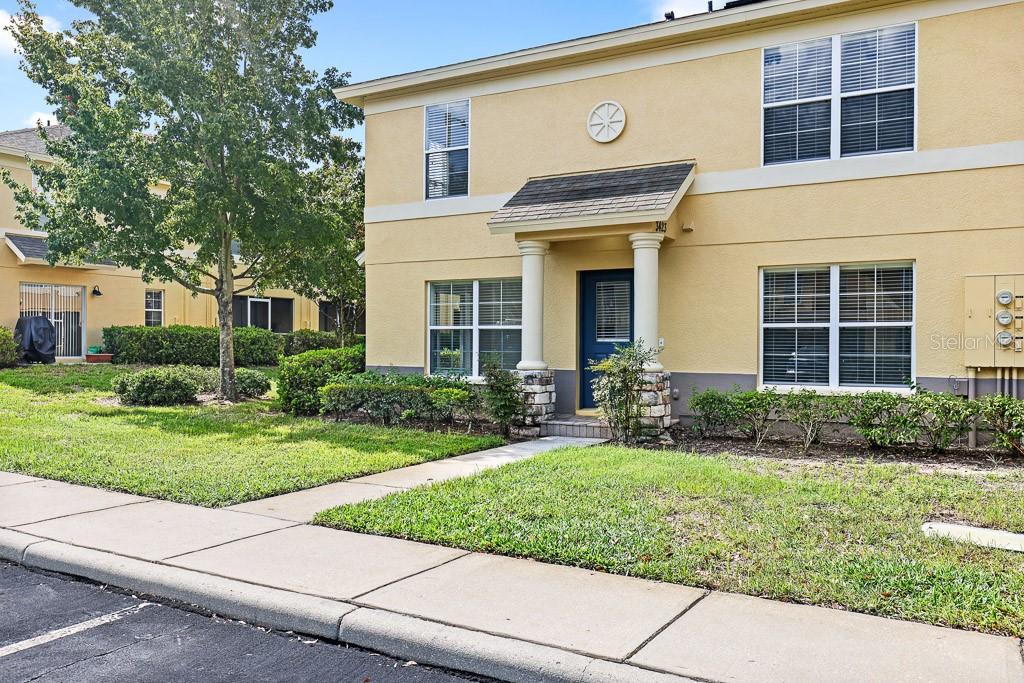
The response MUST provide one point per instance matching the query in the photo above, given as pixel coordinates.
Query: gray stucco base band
(398, 369)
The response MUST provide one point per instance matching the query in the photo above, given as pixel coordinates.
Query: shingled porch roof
(611, 197)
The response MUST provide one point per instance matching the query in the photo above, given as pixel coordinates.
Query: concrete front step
(576, 426)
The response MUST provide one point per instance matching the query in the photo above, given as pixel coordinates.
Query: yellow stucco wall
(950, 223)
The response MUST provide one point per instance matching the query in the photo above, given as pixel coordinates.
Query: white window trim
(476, 376)
(147, 309)
(467, 146)
(248, 310)
(837, 95)
(834, 325)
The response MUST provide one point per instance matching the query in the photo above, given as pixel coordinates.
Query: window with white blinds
(474, 323)
(446, 148)
(613, 311)
(840, 96)
(838, 326)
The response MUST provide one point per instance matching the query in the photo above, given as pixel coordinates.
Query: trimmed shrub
(618, 389)
(206, 379)
(189, 345)
(503, 397)
(251, 383)
(384, 402)
(301, 341)
(943, 418)
(8, 348)
(156, 387)
(302, 376)
(449, 404)
(255, 346)
(756, 413)
(810, 411)
(1005, 416)
(883, 419)
(713, 413)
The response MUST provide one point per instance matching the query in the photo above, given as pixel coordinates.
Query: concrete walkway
(508, 618)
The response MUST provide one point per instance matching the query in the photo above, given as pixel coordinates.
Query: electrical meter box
(994, 321)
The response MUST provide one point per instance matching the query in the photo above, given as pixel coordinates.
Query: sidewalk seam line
(422, 571)
(20, 483)
(234, 540)
(83, 512)
(671, 621)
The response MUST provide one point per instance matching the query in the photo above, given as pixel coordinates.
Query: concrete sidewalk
(508, 618)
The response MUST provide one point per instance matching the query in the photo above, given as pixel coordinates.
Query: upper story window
(446, 148)
(840, 96)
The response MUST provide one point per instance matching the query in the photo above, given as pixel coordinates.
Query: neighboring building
(789, 193)
(81, 300)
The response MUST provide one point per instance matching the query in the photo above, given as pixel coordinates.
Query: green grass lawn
(54, 424)
(837, 534)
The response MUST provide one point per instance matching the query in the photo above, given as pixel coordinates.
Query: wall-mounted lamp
(96, 290)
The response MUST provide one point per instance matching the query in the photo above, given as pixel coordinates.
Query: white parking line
(59, 633)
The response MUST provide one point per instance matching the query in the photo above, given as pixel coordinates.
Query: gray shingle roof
(35, 248)
(628, 190)
(28, 140)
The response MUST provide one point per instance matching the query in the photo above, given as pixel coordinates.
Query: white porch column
(533, 253)
(645, 290)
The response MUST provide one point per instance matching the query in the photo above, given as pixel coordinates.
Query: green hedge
(8, 348)
(302, 376)
(301, 341)
(935, 420)
(389, 402)
(156, 387)
(189, 345)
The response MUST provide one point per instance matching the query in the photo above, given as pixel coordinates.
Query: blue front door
(606, 321)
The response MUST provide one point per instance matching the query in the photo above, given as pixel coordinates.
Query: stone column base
(656, 397)
(539, 399)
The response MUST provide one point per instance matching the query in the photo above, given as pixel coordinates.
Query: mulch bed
(953, 460)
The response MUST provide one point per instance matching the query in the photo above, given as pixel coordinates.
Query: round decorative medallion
(606, 121)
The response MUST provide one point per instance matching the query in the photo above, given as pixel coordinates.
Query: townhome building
(83, 298)
(789, 193)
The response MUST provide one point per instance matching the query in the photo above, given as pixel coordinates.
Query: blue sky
(381, 38)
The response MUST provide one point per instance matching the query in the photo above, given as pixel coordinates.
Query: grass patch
(839, 534)
(52, 426)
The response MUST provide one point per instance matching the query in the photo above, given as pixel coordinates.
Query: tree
(330, 273)
(202, 147)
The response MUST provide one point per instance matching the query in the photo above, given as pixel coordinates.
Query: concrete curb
(505, 659)
(394, 634)
(271, 607)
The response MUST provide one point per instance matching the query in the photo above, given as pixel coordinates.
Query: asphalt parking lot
(53, 628)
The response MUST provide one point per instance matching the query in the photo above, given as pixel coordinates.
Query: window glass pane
(437, 127)
(614, 311)
(883, 122)
(500, 347)
(798, 71)
(447, 174)
(874, 356)
(800, 296)
(259, 314)
(879, 58)
(154, 319)
(795, 356)
(451, 304)
(501, 302)
(797, 132)
(451, 352)
(876, 294)
(458, 124)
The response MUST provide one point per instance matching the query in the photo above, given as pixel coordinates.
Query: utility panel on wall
(994, 321)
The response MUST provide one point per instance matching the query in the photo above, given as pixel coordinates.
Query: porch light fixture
(96, 290)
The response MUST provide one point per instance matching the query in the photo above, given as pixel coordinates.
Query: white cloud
(681, 7)
(7, 42)
(42, 116)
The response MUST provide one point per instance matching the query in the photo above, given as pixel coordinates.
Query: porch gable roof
(609, 197)
(33, 250)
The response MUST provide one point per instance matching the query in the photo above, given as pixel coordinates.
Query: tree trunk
(225, 313)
